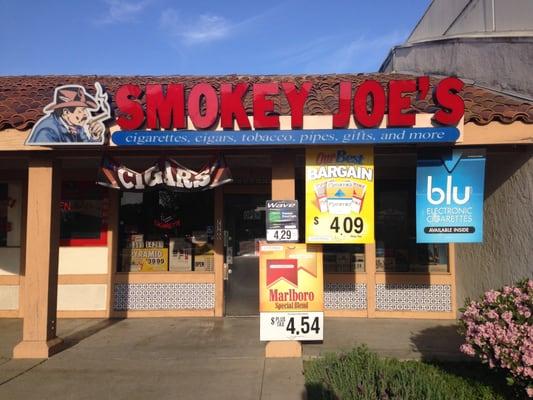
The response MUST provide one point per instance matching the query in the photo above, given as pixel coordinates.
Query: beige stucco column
(283, 188)
(39, 300)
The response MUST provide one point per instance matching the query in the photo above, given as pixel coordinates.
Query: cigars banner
(291, 293)
(339, 195)
(165, 173)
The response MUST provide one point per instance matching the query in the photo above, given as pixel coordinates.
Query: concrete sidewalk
(203, 358)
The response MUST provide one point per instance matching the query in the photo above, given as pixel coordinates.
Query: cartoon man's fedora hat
(71, 96)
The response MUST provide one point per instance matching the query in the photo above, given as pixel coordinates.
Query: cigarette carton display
(322, 198)
(358, 195)
(339, 206)
(339, 195)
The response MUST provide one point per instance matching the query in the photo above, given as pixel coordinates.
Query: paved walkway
(205, 358)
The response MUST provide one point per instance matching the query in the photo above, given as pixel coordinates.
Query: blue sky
(160, 37)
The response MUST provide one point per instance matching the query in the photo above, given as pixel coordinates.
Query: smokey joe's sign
(175, 115)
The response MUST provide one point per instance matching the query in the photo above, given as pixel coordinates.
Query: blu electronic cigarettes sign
(449, 196)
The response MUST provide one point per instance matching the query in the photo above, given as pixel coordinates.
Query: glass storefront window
(166, 231)
(83, 210)
(343, 258)
(10, 213)
(395, 219)
(5, 225)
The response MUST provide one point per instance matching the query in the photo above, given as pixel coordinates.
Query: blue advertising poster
(449, 196)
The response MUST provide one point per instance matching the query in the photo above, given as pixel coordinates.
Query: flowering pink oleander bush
(499, 330)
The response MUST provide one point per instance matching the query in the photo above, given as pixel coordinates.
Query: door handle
(227, 271)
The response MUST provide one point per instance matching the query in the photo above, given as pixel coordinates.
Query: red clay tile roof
(22, 98)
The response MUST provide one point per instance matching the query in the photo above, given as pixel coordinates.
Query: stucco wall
(506, 254)
(501, 63)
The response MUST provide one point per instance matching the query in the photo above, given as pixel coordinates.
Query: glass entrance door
(244, 216)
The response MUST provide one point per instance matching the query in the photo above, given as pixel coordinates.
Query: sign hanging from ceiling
(165, 173)
(449, 196)
(339, 195)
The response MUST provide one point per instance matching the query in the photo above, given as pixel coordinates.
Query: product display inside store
(396, 246)
(163, 230)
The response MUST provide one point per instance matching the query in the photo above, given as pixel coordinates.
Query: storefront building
(70, 248)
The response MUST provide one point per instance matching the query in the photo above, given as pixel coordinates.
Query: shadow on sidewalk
(77, 336)
(439, 343)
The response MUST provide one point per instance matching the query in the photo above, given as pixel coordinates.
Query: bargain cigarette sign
(339, 199)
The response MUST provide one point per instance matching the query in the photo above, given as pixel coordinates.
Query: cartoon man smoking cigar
(71, 119)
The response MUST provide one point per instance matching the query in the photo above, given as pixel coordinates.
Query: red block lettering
(263, 107)
(231, 106)
(206, 92)
(342, 118)
(167, 108)
(446, 95)
(372, 118)
(297, 101)
(132, 110)
(397, 103)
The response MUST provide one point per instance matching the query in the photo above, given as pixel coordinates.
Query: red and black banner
(165, 173)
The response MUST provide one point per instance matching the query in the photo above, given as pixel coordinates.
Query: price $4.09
(347, 225)
(302, 325)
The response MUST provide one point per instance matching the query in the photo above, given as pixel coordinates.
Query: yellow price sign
(339, 199)
(148, 260)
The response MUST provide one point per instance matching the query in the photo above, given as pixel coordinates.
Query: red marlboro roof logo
(282, 269)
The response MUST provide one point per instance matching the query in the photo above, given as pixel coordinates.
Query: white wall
(9, 297)
(77, 297)
(82, 260)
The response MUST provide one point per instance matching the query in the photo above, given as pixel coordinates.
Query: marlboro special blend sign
(291, 295)
(339, 199)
